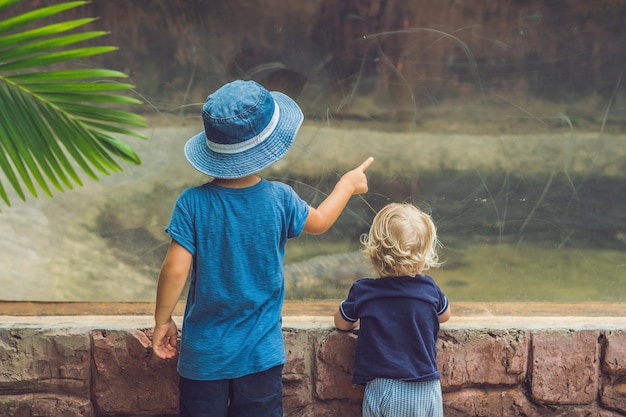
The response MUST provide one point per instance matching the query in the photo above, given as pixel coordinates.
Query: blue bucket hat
(246, 129)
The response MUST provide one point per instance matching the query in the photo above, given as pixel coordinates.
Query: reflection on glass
(505, 121)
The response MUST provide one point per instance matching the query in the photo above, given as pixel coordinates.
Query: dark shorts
(254, 395)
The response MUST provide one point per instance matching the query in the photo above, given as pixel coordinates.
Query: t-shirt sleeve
(442, 304)
(348, 307)
(180, 227)
(297, 212)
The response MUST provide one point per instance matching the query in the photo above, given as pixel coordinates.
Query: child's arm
(445, 316)
(170, 287)
(351, 183)
(343, 324)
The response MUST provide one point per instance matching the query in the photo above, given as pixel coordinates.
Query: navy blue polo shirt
(399, 327)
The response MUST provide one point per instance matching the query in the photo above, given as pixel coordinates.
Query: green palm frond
(53, 121)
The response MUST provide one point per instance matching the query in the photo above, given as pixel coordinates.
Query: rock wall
(102, 366)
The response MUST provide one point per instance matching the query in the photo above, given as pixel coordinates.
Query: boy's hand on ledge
(164, 340)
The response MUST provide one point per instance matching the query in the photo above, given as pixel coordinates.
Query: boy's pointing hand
(351, 183)
(356, 178)
(366, 164)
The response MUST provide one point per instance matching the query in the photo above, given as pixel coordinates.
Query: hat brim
(253, 160)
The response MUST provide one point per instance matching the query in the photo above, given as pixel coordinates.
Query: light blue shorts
(393, 398)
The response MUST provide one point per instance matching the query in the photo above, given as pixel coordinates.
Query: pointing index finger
(366, 164)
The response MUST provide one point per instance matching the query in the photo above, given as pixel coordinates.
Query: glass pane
(503, 120)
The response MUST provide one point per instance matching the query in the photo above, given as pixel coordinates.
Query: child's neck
(243, 182)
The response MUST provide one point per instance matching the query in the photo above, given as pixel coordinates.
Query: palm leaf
(34, 15)
(55, 119)
(68, 75)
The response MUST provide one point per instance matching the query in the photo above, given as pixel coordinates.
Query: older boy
(231, 233)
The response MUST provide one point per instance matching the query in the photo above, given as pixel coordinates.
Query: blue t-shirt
(399, 327)
(237, 236)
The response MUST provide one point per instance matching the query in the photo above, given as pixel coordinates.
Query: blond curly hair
(402, 241)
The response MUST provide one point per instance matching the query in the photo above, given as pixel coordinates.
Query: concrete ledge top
(134, 322)
(318, 314)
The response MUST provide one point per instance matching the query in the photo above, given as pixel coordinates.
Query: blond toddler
(399, 315)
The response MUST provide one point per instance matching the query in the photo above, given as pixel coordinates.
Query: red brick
(614, 396)
(56, 360)
(333, 368)
(564, 368)
(488, 403)
(338, 349)
(48, 405)
(128, 379)
(478, 357)
(615, 353)
(299, 353)
(297, 384)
